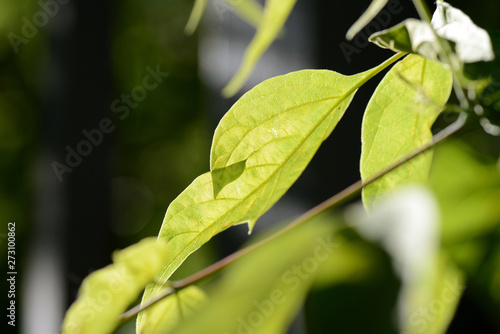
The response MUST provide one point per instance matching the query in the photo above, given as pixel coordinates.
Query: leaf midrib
(223, 217)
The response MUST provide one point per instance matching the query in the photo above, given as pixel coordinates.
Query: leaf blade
(169, 312)
(372, 11)
(249, 10)
(385, 135)
(265, 284)
(105, 294)
(195, 17)
(195, 215)
(471, 43)
(275, 14)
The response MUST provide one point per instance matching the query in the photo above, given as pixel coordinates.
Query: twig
(333, 201)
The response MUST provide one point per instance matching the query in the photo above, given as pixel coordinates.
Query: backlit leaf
(175, 308)
(398, 121)
(372, 11)
(195, 17)
(262, 292)
(106, 293)
(275, 129)
(276, 13)
(249, 10)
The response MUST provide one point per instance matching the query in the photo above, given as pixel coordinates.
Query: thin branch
(330, 203)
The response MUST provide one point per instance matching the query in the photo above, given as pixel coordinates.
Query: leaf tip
(251, 224)
(351, 33)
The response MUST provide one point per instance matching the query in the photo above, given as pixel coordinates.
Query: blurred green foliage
(171, 121)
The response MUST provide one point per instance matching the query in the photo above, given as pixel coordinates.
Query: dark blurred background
(106, 114)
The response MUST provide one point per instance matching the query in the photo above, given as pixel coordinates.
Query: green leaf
(276, 13)
(470, 210)
(249, 10)
(467, 185)
(106, 293)
(470, 43)
(166, 314)
(372, 11)
(398, 121)
(352, 261)
(470, 207)
(195, 17)
(262, 292)
(276, 128)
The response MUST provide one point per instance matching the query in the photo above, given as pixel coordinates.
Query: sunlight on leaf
(166, 314)
(106, 293)
(398, 121)
(195, 17)
(372, 11)
(276, 13)
(276, 128)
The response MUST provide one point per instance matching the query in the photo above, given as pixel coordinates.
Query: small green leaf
(195, 17)
(398, 121)
(470, 210)
(106, 293)
(275, 128)
(276, 13)
(372, 11)
(262, 292)
(166, 314)
(400, 37)
(221, 177)
(249, 10)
